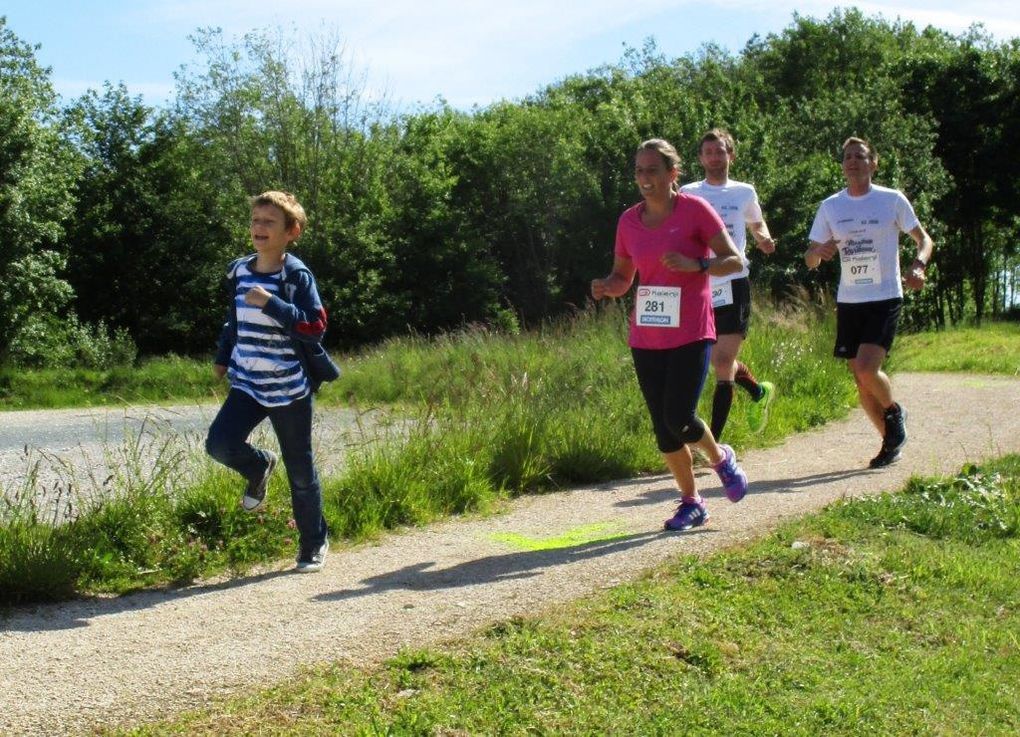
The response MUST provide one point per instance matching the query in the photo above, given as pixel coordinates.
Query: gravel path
(68, 668)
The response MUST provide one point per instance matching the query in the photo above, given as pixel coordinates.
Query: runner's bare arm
(618, 281)
(915, 278)
(762, 237)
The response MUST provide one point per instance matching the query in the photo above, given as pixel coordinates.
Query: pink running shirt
(687, 230)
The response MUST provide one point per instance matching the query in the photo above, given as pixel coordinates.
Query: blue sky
(413, 51)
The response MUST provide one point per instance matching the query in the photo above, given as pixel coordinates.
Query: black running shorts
(734, 318)
(865, 322)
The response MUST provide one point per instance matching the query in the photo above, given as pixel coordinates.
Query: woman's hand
(678, 262)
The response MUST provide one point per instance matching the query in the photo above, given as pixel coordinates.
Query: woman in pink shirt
(673, 242)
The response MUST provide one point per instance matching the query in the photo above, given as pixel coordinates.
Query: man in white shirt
(862, 223)
(737, 205)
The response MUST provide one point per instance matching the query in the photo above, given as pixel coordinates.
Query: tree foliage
(435, 218)
(36, 170)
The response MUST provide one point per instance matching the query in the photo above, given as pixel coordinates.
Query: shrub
(48, 341)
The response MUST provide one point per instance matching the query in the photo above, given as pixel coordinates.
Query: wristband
(922, 263)
(703, 264)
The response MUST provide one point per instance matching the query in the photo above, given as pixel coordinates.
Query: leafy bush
(48, 341)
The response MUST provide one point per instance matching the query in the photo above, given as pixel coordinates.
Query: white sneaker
(312, 561)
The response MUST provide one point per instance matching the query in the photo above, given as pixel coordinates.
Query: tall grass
(163, 515)
(485, 416)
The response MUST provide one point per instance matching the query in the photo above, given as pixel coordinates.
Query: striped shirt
(263, 363)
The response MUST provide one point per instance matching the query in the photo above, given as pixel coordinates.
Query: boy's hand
(220, 371)
(256, 296)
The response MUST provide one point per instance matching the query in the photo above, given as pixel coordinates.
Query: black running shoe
(895, 428)
(886, 457)
(311, 561)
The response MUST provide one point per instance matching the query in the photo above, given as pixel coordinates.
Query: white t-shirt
(868, 230)
(737, 205)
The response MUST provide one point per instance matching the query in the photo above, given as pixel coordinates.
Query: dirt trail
(66, 668)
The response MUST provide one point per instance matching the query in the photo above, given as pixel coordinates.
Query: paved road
(59, 430)
(49, 456)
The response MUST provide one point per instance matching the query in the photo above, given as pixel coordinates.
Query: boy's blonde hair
(292, 210)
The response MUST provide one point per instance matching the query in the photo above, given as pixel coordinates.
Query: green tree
(969, 86)
(147, 242)
(36, 170)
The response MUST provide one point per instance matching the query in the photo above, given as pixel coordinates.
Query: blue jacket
(298, 309)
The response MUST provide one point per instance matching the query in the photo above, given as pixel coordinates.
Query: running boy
(274, 318)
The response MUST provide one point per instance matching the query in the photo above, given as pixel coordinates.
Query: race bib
(658, 307)
(861, 269)
(722, 294)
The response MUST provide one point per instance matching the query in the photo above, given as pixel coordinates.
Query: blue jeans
(228, 443)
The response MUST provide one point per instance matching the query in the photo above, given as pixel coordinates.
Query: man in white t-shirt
(862, 224)
(737, 205)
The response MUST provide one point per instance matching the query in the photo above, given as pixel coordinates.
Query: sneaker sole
(703, 522)
(889, 462)
(763, 418)
(247, 501)
(734, 497)
(248, 505)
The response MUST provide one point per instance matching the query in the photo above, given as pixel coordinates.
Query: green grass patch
(164, 379)
(896, 615)
(994, 348)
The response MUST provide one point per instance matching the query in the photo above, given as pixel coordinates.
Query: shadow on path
(492, 568)
(668, 491)
(79, 612)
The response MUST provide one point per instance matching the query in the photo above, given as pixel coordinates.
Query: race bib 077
(860, 268)
(658, 307)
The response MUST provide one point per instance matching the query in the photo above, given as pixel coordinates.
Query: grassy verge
(895, 615)
(994, 348)
(486, 416)
(415, 370)
(165, 379)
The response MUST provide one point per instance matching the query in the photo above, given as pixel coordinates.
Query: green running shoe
(758, 412)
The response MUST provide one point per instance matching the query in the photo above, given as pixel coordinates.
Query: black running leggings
(671, 381)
